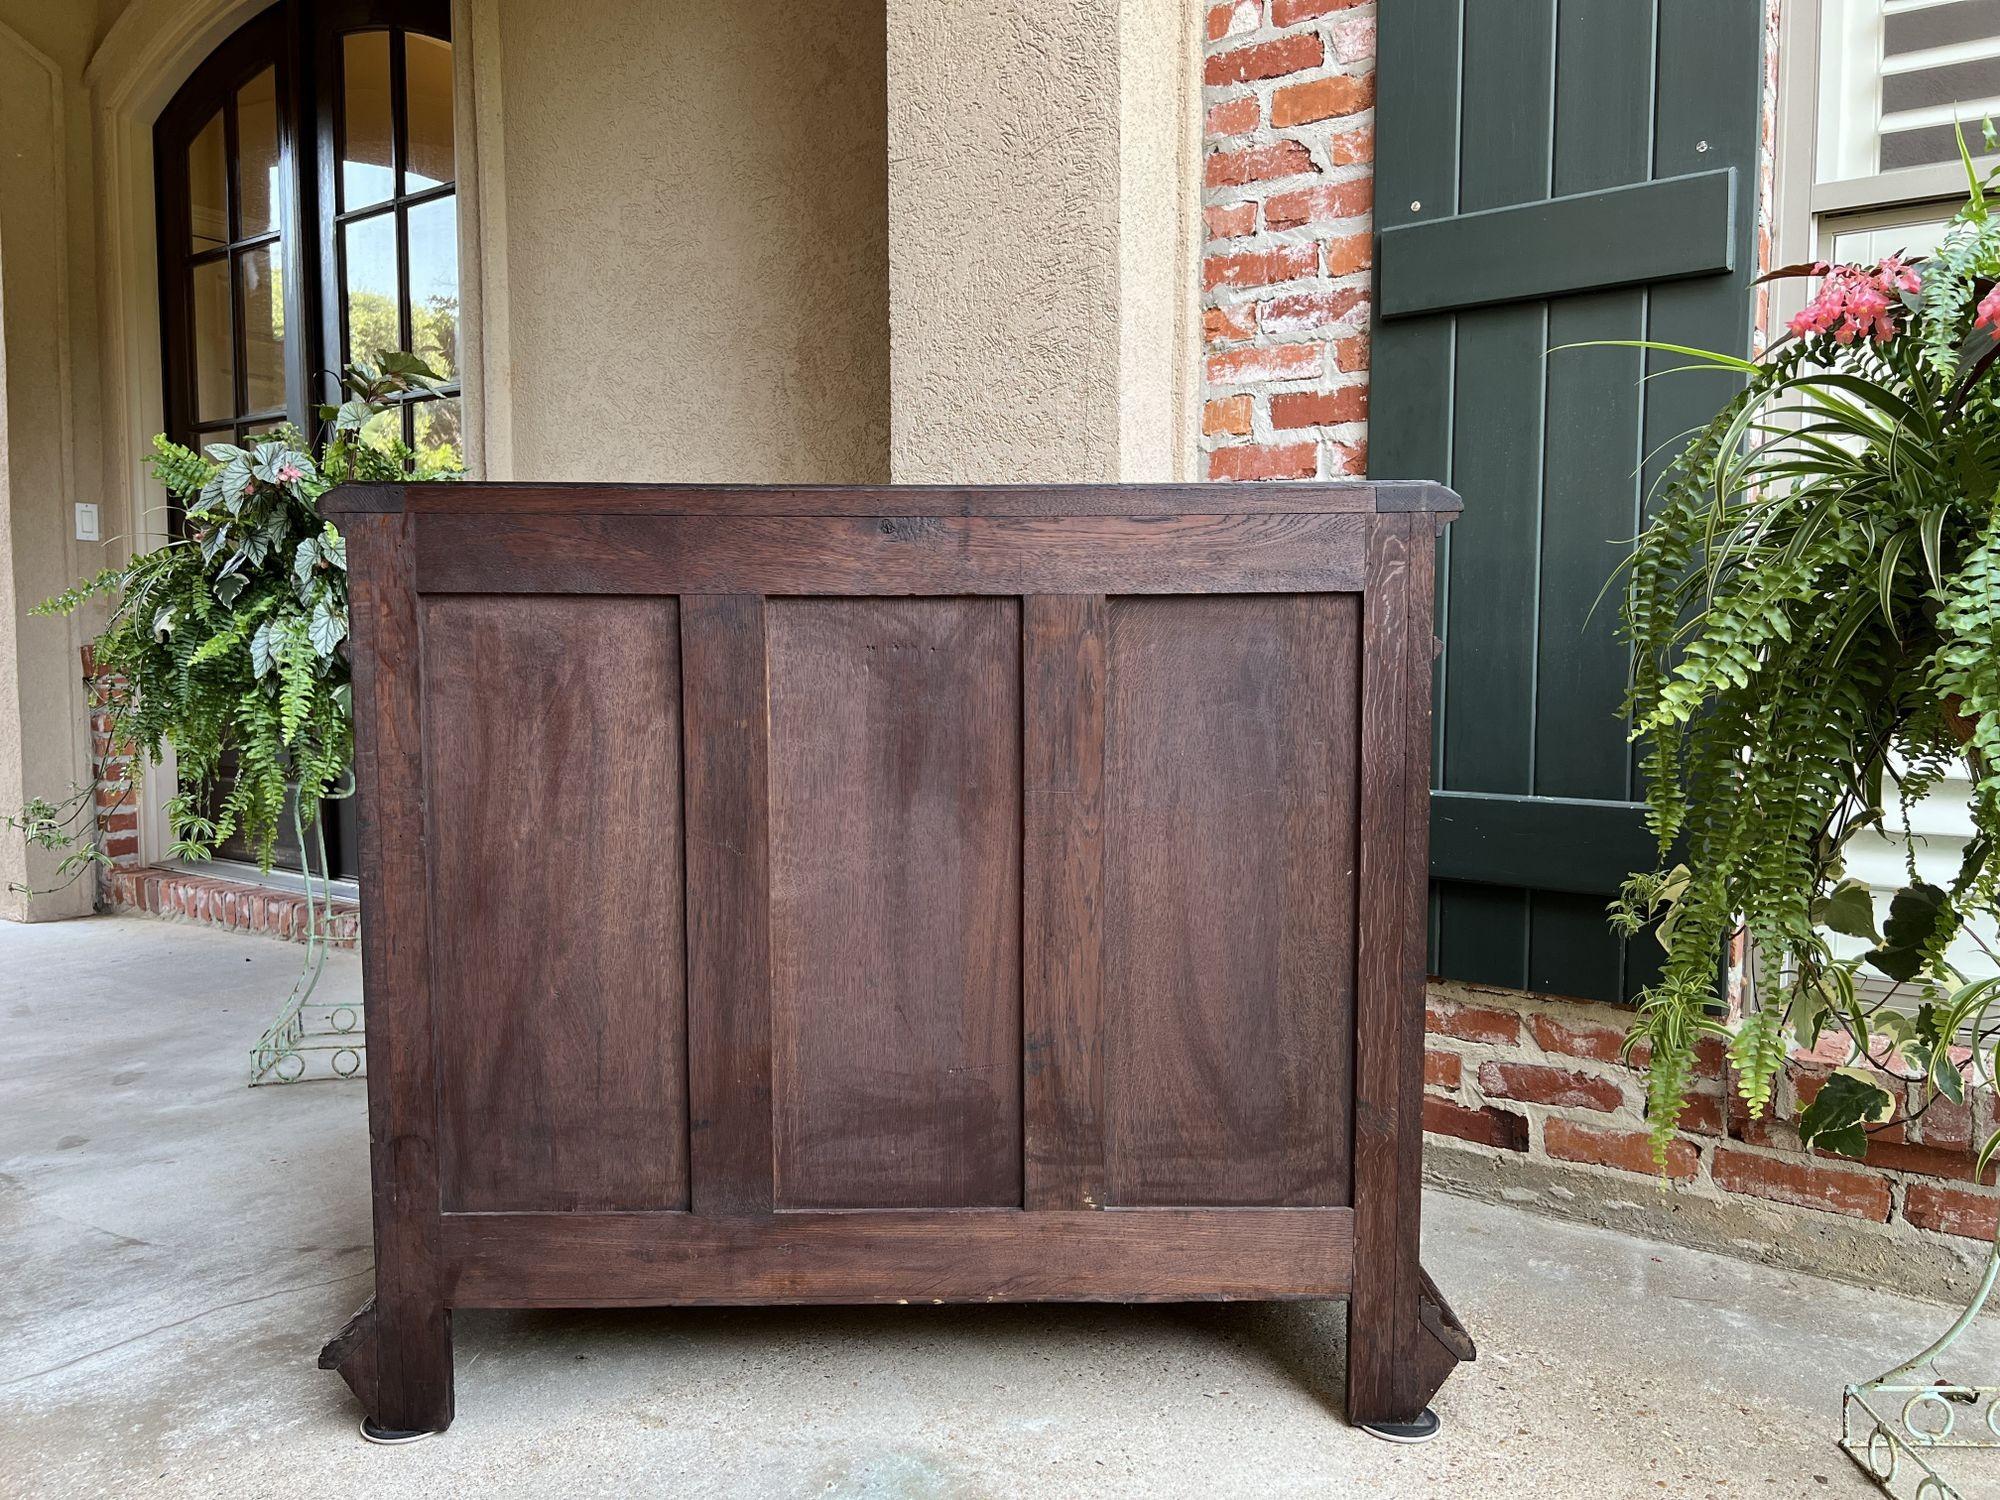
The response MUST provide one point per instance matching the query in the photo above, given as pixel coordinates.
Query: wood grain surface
(556, 865)
(895, 901)
(1229, 875)
(997, 1255)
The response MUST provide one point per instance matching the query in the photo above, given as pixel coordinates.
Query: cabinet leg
(398, 1364)
(1401, 1345)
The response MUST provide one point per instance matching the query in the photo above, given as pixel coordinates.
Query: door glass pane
(208, 187)
(263, 330)
(1896, 78)
(383, 430)
(440, 449)
(427, 77)
(214, 348)
(372, 323)
(434, 284)
(257, 165)
(367, 163)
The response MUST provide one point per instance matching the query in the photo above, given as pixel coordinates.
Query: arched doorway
(306, 197)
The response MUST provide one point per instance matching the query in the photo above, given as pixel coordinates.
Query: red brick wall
(180, 895)
(1546, 1080)
(1288, 188)
(117, 801)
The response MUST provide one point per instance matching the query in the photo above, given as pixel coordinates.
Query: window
(258, 312)
(228, 299)
(1871, 96)
(306, 182)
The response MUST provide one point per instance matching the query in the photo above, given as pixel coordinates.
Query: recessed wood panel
(895, 827)
(1231, 755)
(553, 742)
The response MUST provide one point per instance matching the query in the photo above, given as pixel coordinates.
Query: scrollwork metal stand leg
(1894, 1449)
(304, 1032)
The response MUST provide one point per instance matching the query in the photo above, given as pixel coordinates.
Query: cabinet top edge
(476, 497)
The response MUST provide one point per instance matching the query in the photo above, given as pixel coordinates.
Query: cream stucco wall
(49, 419)
(680, 252)
(1041, 249)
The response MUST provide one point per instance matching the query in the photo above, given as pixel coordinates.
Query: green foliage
(1814, 611)
(1837, 1118)
(229, 638)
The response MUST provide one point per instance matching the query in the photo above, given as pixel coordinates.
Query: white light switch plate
(86, 523)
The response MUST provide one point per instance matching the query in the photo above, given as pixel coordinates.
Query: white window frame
(1804, 213)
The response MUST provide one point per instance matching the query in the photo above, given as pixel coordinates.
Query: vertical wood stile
(1416, 1379)
(413, 1347)
(726, 727)
(1382, 1314)
(1062, 785)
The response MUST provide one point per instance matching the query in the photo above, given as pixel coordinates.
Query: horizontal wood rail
(655, 554)
(1624, 236)
(1546, 843)
(897, 1255)
(1345, 497)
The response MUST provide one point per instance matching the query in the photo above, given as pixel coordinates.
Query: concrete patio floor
(174, 1247)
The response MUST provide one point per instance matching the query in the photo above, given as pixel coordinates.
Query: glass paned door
(228, 193)
(226, 187)
(391, 255)
(302, 225)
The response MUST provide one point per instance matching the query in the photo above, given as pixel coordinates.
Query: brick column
(1288, 197)
(116, 800)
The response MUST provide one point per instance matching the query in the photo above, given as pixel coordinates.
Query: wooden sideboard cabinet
(927, 894)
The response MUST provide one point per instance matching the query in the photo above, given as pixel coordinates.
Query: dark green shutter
(1549, 172)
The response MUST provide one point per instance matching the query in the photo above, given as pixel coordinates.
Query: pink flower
(1896, 273)
(1858, 302)
(290, 474)
(1988, 313)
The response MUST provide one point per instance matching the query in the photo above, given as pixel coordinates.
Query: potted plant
(1814, 612)
(227, 642)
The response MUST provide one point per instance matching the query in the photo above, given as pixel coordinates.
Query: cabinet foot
(1422, 1430)
(390, 1436)
(400, 1371)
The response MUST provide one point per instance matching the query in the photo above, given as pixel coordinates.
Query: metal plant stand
(310, 1039)
(1893, 1425)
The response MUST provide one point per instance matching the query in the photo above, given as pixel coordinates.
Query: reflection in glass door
(391, 247)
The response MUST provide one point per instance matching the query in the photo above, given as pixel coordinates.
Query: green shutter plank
(1411, 361)
(1700, 104)
(1583, 171)
(1650, 231)
(1554, 844)
(1590, 496)
(1506, 146)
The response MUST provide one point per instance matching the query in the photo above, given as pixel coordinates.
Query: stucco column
(43, 734)
(1042, 238)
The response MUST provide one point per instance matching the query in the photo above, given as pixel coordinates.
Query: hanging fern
(229, 638)
(1814, 613)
